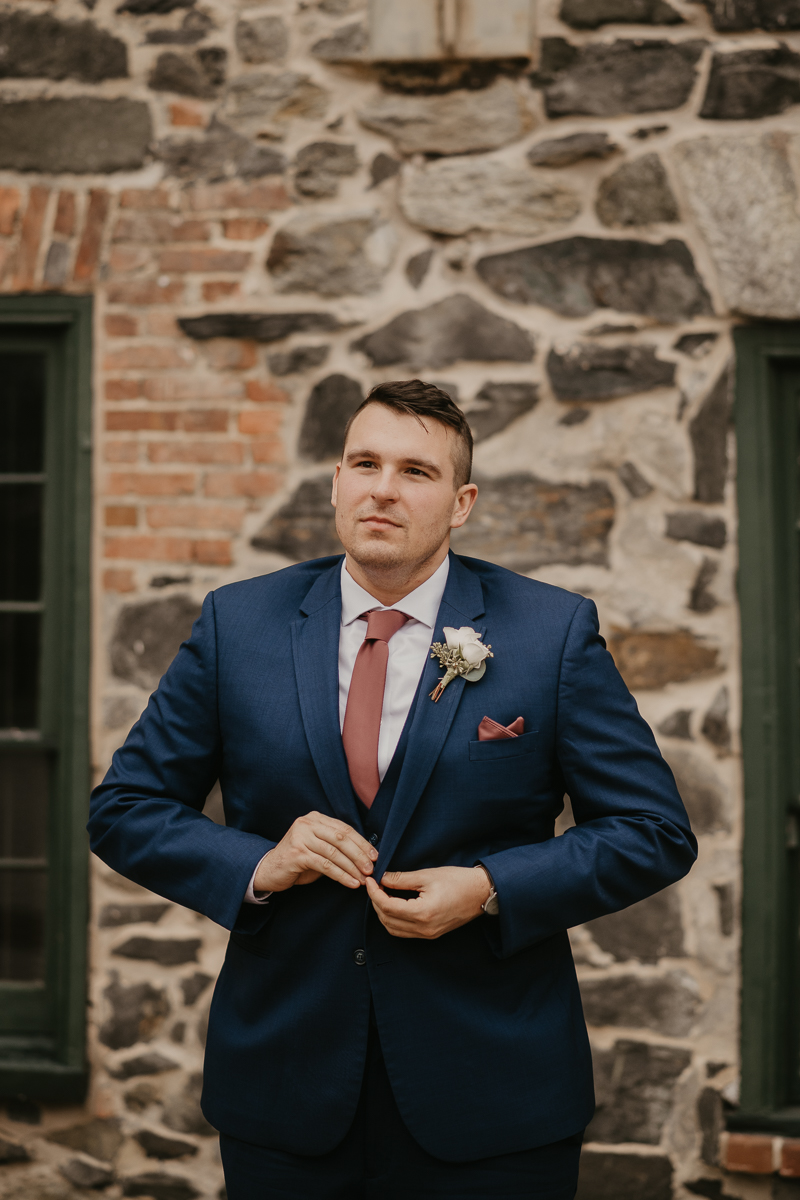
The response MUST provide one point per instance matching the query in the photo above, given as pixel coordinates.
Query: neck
(390, 584)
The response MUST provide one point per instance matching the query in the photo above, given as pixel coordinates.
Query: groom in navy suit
(398, 1014)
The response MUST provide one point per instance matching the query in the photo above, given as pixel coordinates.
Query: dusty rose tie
(362, 718)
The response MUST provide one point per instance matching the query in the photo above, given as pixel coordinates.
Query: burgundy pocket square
(493, 731)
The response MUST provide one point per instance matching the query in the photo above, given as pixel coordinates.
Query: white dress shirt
(408, 653)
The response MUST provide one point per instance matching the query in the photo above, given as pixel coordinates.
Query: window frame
(54, 1068)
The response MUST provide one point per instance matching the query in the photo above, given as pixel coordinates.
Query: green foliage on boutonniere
(463, 654)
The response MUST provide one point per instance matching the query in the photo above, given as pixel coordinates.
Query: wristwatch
(491, 905)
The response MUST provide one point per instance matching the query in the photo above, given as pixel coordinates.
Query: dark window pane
(20, 541)
(24, 780)
(19, 670)
(22, 918)
(22, 384)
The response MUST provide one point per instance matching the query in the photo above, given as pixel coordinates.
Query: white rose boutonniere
(463, 654)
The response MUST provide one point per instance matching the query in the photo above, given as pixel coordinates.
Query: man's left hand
(447, 897)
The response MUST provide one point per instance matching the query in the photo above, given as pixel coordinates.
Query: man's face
(393, 490)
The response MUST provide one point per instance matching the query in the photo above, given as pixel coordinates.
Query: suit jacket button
(359, 957)
(373, 841)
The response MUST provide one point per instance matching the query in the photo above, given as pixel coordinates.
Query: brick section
(268, 451)
(121, 325)
(133, 357)
(144, 292)
(212, 551)
(195, 516)
(750, 1153)
(181, 451)
(187, 116)
(126, 452)
(265, 393)
(64, 222)
(9, 207)
(260, 421)
(123, 389)
(126, 260)
(177, 388)
(123, 483)
(145, 198)
(121, 514)
(226, 354)
(30, 238)
(244, 229)
(162, 324)
(116, 580)
(91, 240)
(201, 420)
(157, 227)
(218, 289)
(790, 1158)
(229, 484)
(258, 197)
(203, 259)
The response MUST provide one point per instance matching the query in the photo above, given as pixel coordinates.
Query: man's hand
(447, 897)
(316, 845)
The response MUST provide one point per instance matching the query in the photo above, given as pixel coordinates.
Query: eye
(365, 462)
(417, 471)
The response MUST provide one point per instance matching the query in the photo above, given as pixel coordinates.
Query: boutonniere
(464, 654)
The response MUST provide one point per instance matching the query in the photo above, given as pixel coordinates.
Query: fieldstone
(635, 1084)
(633, 480)
(667, 1003)
(696, 345)
(612, 329)
(37, 1183)
(604, 80)
(87, 1172)
(300, 358)
(194, 27)
(221, 154)
(591, 14)
(564, 151)
(330, 406)
(607, 1176)
(736, 16)
(579, 274)
(56, 265)
(522, 522)
(158, 1185)
(349, 42)
(677, 724)
(698, 527)
(383, 166)
(257, 327)
(321, 165)
(435, 77)
(151, 1063)
(100, 1138)
(138, 1010)
(304, 527)
(708, 430)
(27, 1112)
(500, 404)
(141, 1096)
(711, 1119)
(750, 84)
(200, 74)
(147, 636)
(454, 196)
(726, 907)
(575, 416)
(590, 372)
(417, 267)
(437, 336)
(646, 931)
(262, 39)
(36, 45)
(701, 600)
(156, 1145)
(715, 725)
(653, 659)
(260, 104)
(638, 193)
(332, 255)
(178, 1033)
(744, 197)
(701, 790)
(183, 1113)
(458, 122)
(169, 952)
(74, 135)
(112, 915)
(140, 8)
(12, 1152)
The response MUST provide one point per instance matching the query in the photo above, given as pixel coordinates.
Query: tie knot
(383, 623)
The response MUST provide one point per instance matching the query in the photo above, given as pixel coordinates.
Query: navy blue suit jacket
(482, 1030)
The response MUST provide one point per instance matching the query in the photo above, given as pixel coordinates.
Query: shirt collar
(421, 605)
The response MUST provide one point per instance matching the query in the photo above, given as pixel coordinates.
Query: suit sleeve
(146, 817)
(631, 836)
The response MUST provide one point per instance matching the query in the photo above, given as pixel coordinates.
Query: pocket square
(493, 731)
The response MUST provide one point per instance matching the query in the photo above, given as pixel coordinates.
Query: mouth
(379, 523)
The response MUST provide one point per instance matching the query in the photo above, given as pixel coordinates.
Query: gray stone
(36, 45)
(260, 104)
(257, 327)
(590, 372)
(200, 74)
(262, 39)
(100, 1138)
(300, 358)
(454, 196)
(56, 265)
(335, 7)
(745, 200)
(736, 16)
(611, 329)
(417, 267)
(456, 328)
(151, 1063)
(648, 131)
(332, 255)
(140, 8)
(158, 1185)
(638, 193)
(701, 600)
(701, 790)
(383, 166)
(304, 527)
(27, 1112)
(87, 1172)
(137, 1013)
(709, 430)
(500, 404)
(74, 135)
(194, 27)
(564, 151)
(156, 1145)
(606, 79)
(667, 1003)
(715, 725)
(522, 522)
(178, 1033)
(591, 14)
(169, 952)
(650, 659)
(677, 724)
(113, 915)
(646, 931)
(330, 406)
(349, 42)
(633, 480)
(147, 636)
(12, 1152)
(575, 416)
(712, 1122)
(750, 84)
(696, 345)
(220, 154)
(579, 274)
(141, 1096)
(183, 1113)
(321, 165)
(458, 122)
(635, 1084)
(607, 1176)
(692, 525)
(726, 908)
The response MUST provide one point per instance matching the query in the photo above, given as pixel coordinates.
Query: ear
(462, 505)
(335, 487)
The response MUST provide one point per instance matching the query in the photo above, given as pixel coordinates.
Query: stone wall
(269, 225)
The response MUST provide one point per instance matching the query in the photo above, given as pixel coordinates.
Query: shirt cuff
(250, 896)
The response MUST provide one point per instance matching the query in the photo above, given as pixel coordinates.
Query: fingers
(388, 906)
(405, 881)
(318, 843)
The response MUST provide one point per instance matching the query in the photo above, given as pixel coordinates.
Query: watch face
(492, 906)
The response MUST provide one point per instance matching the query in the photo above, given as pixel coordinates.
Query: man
(398, 1013)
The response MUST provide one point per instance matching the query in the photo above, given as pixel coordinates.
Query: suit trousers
(380, 1160)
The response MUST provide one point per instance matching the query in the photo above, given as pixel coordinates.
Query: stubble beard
(374, 553)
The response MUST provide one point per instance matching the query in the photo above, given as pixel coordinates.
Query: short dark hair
(419, 399)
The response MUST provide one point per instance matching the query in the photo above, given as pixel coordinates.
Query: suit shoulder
(287, 586)
(519, 589)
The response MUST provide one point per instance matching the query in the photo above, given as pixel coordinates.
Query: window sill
(42, 1079)
(766, 1153)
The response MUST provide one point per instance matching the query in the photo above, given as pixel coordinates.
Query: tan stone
(652, 659)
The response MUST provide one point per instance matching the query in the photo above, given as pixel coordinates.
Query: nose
(384, 487)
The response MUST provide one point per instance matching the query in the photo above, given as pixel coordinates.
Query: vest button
(360, 957)
(373, 839)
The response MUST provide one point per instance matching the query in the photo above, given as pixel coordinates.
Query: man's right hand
(316, 845)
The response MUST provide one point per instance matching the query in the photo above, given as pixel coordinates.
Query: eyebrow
(424, 463)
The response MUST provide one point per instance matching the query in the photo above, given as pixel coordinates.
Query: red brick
(203, 259)
(224, 453)
(121, 514)
(790, 1158)
(121, 325)
(92, 237)
(64, 222)
(268, 450)
(123, 389)
(30, 236)
(158, 227)
(265, 420)
(244, 229)
(159, 549)
(265, 393)
(121, 483)
(187, 115)
(121, 451)
(133, 420)
(213, 552)
(172, 388)
(162, 324)
(195, 516)
(226, 354)
(205, 420)
(750, 1153)
(130, 357)
(259, 197)
(145, 292)
(115, 580)
(124, 260)
(145, 198)
(217, 289)
(9, 207)
(228, 484)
